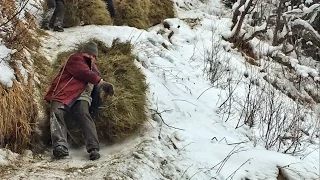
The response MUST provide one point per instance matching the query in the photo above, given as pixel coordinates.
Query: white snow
(7, 74)
(308, 1)
(190, 140)
(6, 156)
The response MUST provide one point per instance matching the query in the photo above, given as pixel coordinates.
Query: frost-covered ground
(187, 139)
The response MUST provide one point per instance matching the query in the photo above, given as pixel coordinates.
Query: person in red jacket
(70, 92)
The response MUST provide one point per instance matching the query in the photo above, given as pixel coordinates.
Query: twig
(194, 174)
(232, 174)
(185, 87)
(288, 165)
(223, 161)
(238, 143)
(184, 101)
(159, 114)
(204, 91)
(169, 90)
(185, 146)
(173, 144)
(185, 171)
(16, 14)
(309, 153)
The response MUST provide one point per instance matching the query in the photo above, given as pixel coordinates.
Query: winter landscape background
(224, 102)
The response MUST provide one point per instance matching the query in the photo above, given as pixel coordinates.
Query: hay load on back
(121, 115)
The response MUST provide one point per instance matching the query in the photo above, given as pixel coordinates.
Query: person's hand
(106, 87)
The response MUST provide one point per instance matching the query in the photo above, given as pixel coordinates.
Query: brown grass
(87, 12)
(142, 13)
(160, 10)
(18, 109)
(132, 13)
(125, 112)
(18, 113)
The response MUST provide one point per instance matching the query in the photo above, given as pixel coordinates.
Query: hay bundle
(18, 113)
(132, 13)
(86, 12)
(121, 115)
(160, 10)
(125, 112)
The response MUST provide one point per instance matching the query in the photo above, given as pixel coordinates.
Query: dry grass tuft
(123, 114)
(18, 109)
(18, 113)
(86, 12)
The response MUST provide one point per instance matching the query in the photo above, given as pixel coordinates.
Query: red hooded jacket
(74, 78)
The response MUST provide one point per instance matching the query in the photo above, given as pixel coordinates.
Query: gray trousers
(55, 12)
(81, 115)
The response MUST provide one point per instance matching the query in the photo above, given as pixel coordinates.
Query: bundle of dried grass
(143, 13)
(160, 10)
(132, 13)
(125, 112)
(86, 12)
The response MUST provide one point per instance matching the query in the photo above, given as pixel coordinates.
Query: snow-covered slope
(185, 137)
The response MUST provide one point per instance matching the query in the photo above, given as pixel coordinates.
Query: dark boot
(94, 154)
(51, 4)
(45, 26)
(59, 16)
(58, 28)
(60, 151)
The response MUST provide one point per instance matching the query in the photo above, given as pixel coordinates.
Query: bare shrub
(216, 63)
(250, 105)
(280, 123)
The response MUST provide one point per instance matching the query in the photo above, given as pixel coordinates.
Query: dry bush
(18, 109)
(86, 12)
(120, 115)
(18, 113)
(279, 125)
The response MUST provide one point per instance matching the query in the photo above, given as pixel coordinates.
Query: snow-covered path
(198, 144)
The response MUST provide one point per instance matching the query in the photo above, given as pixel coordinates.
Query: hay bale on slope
(143, 13)
(160, 10)
(86, 12)
(132, 13)
(123, 114)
